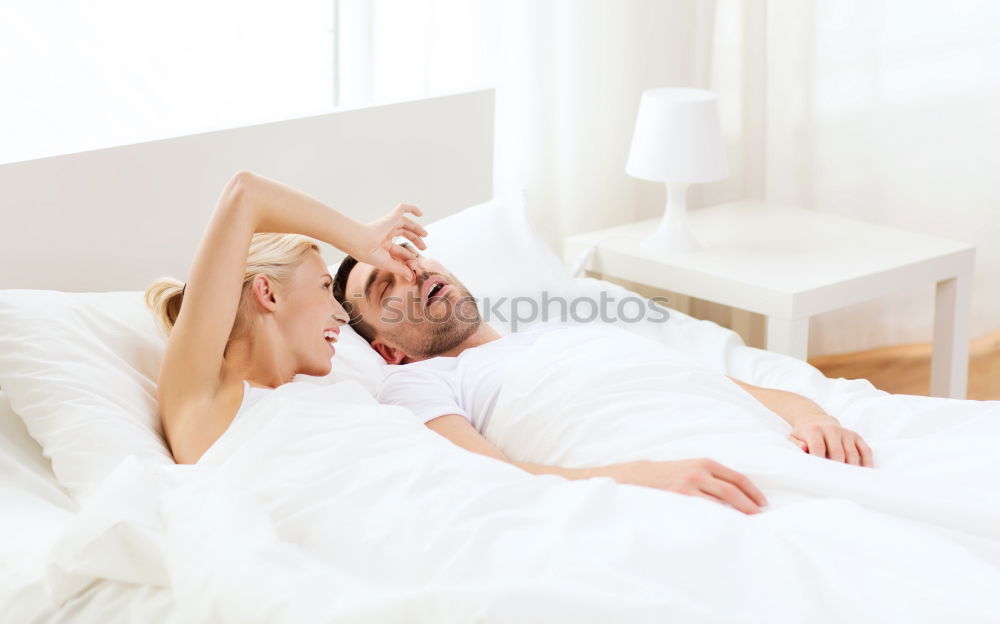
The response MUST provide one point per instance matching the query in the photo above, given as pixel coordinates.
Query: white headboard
(115, 219)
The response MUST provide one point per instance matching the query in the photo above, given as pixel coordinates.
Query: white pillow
(80, 369)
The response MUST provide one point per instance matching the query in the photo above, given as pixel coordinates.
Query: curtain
(569, 80)
(889, 111)
(881, 110)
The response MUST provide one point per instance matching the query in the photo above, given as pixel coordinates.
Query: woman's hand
(824, 437)
(378, 249)
(694, 477)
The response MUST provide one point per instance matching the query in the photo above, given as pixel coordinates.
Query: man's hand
(824, 437)
(815, 431)
(379, 249)
(694, 477)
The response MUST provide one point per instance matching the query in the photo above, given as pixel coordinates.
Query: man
(448, 368)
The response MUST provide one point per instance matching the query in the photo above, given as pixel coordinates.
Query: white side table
(790, 264)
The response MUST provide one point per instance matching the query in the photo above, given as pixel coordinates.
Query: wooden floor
(906, 369)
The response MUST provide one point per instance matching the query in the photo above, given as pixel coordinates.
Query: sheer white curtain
(568, 75)
(568, 88)
(888, 111)
(883, 110)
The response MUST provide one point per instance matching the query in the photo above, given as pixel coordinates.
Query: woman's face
(310, 318)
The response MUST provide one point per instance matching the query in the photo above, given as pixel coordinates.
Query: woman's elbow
(234, 194)
(238, 185)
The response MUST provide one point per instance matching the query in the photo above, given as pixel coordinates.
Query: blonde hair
(273, 255)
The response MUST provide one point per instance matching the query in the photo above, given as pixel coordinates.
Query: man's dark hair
(365, 330)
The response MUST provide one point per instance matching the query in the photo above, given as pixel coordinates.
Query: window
(85, 74)
(81, 75)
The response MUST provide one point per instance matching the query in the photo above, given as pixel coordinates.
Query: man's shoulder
(404, 383)
(431, 368)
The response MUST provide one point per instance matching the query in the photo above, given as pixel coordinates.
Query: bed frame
(117, 218)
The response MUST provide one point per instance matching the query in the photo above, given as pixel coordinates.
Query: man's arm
(795, 409)
(815, 431)
(456, 428)
(693, 477)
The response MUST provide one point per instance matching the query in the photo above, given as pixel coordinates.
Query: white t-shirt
(467, 384)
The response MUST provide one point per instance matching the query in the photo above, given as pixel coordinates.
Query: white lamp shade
(677, 137)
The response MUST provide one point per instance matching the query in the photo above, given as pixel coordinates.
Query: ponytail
(164, 297)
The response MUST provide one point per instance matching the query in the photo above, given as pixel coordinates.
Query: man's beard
(439, 334)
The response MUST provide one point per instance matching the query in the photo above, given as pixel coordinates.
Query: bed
(319, 504)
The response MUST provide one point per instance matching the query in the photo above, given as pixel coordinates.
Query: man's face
(421, 319)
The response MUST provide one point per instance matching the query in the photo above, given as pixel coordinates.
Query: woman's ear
(262, 291)
(391, 355)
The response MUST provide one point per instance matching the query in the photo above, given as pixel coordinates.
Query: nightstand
(790, 264)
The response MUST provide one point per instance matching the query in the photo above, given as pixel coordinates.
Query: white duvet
(585, 394)
(319, 505)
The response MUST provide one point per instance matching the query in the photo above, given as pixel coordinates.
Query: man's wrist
(568, 473)
(812, 416)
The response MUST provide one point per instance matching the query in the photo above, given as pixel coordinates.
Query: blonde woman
(258, 306)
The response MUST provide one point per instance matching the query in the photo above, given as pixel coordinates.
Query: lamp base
(673, 234)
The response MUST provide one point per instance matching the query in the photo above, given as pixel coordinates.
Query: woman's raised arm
(190, 372)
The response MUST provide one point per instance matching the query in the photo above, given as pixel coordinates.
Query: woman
(258, 307)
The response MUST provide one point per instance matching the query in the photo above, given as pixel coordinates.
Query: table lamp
(677, 141)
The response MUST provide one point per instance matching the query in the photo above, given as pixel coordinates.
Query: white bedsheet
(319, 504)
